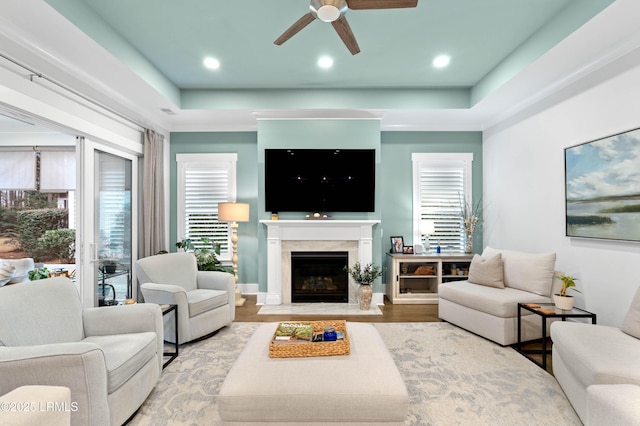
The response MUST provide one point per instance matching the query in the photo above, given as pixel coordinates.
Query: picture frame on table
(397, 244)
(407, 249)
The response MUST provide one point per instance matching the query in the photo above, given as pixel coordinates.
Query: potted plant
(364, 276)
(108, 263)
(38, 274)
(206, 255)
(561, 300)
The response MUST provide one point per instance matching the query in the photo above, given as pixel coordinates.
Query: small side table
(547, 310)
(172, 355)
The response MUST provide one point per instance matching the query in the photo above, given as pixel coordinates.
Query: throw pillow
(6, 273)
(631, 323)
(527, 271)
(487, 271)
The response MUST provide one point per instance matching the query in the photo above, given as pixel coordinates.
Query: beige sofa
(36, 405)
(110, 358)
(586, 355)
(617, 405)
(487, 303)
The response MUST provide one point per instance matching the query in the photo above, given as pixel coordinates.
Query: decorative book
(293, 332)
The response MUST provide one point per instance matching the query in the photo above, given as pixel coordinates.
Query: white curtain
(18, 170)
(57, 171)
(153, 203)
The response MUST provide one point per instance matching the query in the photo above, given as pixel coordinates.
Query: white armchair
(205, 299)
(110, 358)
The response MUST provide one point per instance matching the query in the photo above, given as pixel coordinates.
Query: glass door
(108, 233)
(113, 227)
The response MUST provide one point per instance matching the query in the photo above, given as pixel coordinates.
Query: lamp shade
(427, 227)
(233, 212)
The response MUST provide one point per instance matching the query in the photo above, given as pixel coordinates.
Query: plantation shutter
(442, 183)
(114, 192)
(204, 180)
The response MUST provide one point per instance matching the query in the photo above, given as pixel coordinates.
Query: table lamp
(426, 228)
(234, 213)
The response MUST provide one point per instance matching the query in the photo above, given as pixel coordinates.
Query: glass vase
(468, 245)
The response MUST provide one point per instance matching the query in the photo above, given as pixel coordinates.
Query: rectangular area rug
(453, 378)
(318, 309)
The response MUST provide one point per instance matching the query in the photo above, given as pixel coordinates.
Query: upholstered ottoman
(363, 387)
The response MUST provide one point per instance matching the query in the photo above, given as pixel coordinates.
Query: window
(441, 182)
(204, 180)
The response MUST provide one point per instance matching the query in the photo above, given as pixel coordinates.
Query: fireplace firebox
(319, 277)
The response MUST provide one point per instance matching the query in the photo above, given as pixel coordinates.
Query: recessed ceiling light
(211, 63)
(441, 61)
(325, 62)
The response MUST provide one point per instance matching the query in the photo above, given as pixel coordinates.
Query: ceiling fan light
(328, 13)
(328, 10)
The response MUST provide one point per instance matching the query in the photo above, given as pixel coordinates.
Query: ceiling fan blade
(380, 4)
(295, 28)
(344, 31)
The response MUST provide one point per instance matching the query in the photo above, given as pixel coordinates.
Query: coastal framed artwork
(602, 188)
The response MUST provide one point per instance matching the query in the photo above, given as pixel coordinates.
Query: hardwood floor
(390, 313)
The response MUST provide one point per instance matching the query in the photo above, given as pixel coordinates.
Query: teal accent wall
(241, 143)
(397, 176)
(325, 134)
(394, 188)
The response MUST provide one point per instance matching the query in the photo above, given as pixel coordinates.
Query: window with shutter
(442, 184)
(204, 180)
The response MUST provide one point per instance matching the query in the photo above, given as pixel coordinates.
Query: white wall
(524, 189)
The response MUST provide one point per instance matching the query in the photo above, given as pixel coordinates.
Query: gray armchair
(205, 299)
(110, 358)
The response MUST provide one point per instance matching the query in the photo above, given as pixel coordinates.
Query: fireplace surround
(286, 236)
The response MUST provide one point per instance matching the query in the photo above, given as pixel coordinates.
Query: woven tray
(301, 350)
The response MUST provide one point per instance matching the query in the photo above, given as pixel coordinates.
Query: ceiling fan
(334, 11)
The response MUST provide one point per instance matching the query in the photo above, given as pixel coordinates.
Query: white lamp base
(239, 299)
(234, 261)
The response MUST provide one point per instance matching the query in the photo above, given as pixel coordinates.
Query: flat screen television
(320, 180)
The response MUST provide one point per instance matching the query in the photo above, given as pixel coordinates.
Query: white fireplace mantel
(360, 231)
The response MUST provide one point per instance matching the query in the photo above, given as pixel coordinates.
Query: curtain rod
(35, 73)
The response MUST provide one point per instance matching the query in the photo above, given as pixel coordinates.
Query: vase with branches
(470, 215)
(364, 275)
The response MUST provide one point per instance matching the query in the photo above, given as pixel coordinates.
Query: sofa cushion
(501, 303)
(597, 354)
(6, 272)
(23, 266)
(203, 300)
(526, 271)
(125, 354)
(487, 271)
(631, 323)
